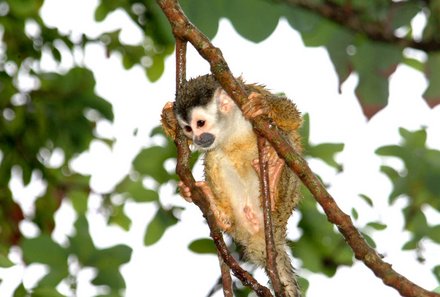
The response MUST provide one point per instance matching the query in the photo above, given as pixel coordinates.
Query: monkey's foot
(275, 167)
(255, 106)
(184, 191)
(222, 219)
(252, 219)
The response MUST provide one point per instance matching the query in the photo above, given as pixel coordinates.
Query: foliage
(417, 182)
(52, 114)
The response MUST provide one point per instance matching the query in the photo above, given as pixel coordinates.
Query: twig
(226, 277)
(185, 30)
(271, 253)
(180, 62)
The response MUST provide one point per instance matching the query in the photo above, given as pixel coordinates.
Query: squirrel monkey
(217, 127)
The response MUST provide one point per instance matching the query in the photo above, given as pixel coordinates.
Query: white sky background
(283, 64)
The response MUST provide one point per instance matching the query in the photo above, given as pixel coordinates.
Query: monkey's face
(201, 126)
(206, 125)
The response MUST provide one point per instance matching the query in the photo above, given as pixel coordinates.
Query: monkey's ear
(224, 102)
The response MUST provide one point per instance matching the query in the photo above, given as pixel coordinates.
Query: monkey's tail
(286, 273)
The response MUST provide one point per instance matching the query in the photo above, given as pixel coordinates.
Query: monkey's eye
(187, 129)
(200, 123)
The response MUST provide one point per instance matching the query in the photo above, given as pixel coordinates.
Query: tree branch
(183, 29)
(226, 277)
(348, 18)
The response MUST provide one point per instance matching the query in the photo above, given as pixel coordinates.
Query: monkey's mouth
(204, 141)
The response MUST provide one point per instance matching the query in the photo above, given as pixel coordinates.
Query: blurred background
(88, 203)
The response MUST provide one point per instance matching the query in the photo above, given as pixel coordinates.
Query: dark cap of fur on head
(195, 92)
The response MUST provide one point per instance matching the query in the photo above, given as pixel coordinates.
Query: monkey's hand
(222, 219)
(255, 106)
(168, 120)
(275, 167)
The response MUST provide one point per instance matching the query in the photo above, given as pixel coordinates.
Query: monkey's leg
(222, 220)
(275, 167)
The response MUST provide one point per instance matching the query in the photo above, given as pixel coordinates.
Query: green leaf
(390, 150)
(46, 292)
(154, 72)
(437, 290)
(79, 200)
(43, 249)
(300, 19)
(414, 63)
(367, 199)
(25, 8)
(108, 262)
(56, 54)
(5, 262)
(196, 11)
(81, 244)
(326, 152)
(101, 12)
(118, 217)
(374, 62)
(151, 160)
(20, 291)
(416, 139)
(434, 233)
(436, 271)
(203, 246)
(377, 226)
(158, 225)
(245, 16)
(136, 190)
(53, 278)
(369, 240)
(432, 72)
(403, 13)
(354, 213)
(337, 47)
(410, 245)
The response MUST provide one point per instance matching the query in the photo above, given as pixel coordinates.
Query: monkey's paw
(184, 191)
(255, 106)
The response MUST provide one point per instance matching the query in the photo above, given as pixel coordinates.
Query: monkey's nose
(205, 139)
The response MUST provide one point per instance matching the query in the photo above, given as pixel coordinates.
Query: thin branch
(180, 62)
(271, 253)
(226, 278)
(351, 19)
(185, 30)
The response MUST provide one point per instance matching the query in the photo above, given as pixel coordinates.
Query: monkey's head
(203, 110)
